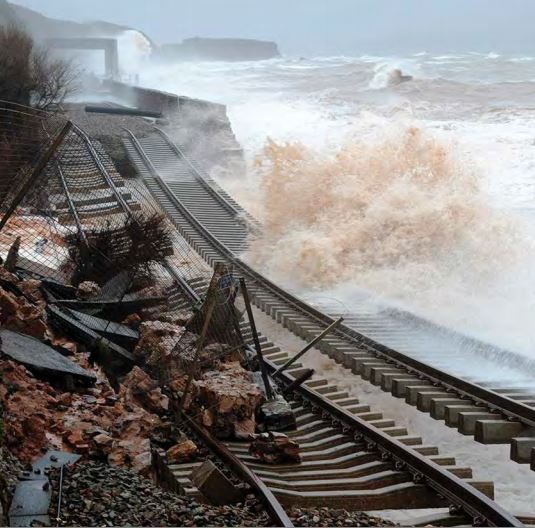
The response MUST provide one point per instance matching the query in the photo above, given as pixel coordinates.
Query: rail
(240, 214)
(273, 506)
(474, 503)
(482, 509)
(509, 407)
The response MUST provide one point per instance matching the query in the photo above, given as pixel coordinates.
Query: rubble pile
(138, 388)
(169, 349)
(227, 401)
(95, 494)
(94, 421)
(30, 422)
(157, 340)
(274, 448)
(17, 313)
(10, 468)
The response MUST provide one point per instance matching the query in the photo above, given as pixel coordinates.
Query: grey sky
(322, 26)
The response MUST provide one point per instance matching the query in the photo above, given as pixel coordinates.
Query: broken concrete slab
(72, 326)
(31, 499)
(40, 358)
(214, 485)
(54, 459)
(118, 333)
(120, 307)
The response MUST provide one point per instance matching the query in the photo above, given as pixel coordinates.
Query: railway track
(87, 188)
(353, 457)
(407, 356)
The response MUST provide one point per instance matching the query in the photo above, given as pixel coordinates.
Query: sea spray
(401, 215)
(397, 202)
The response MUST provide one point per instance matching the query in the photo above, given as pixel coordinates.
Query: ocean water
(421, 193)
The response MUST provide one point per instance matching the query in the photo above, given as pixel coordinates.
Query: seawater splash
(398, 202)
(134, 51)
(403, 216)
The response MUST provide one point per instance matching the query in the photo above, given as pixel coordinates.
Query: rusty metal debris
(31, 502)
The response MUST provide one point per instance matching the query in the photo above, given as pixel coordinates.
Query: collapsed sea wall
(201, 128)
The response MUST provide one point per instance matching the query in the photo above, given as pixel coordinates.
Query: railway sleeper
(366, 468)
(521, 448)
(399, 496)
(386, 380)
(413, 391)
(333, 440)
(497, 431)
(467, 421)
(438, 406)
(368, 482)
(340, 397)
(400, 385)
(424, 399)
(358, 459)
(360, 363)
(452, 412)
(377, 373)
(349, 359)
(313, 436)
(343, 401)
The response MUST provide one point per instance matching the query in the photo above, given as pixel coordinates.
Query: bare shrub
(133, 247)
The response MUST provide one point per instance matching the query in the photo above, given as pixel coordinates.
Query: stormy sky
(322, 27)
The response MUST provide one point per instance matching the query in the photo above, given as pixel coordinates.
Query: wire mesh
(118, 275)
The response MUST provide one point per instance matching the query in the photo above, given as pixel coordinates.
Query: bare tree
(16, 48)
(29, 74)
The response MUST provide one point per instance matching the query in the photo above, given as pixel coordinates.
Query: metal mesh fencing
(118, 276)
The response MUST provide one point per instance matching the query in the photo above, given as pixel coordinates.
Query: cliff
(43, 27)
(224, 49)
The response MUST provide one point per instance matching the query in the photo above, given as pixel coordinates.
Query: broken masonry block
(182, 452)
(274, 448)
(214, 485)
(277, 415)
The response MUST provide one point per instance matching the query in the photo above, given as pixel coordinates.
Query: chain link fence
(117, 275)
